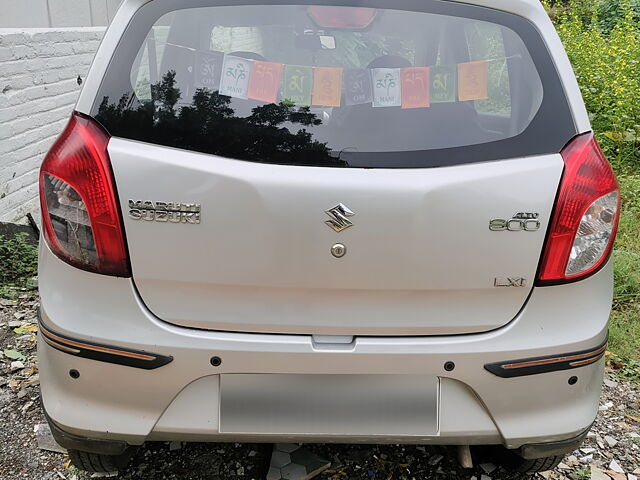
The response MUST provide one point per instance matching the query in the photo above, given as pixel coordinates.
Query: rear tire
(510, 460)
(98, 463)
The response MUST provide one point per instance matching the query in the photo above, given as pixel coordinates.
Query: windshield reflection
(208, 124)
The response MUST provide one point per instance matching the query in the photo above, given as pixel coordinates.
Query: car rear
(324, 222)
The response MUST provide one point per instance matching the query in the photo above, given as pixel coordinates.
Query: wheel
(530, 467)
(510, 460)
(95, 462)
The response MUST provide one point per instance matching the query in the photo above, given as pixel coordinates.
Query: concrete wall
(38, 89)
(57, 13)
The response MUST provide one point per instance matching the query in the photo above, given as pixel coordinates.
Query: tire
(530, 467)
(510, 460)
(98, 463)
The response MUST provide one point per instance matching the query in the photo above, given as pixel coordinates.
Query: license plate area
(333, 405)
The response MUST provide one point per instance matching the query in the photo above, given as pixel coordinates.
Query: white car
(312, 221)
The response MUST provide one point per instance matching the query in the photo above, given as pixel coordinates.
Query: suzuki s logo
(339, 217)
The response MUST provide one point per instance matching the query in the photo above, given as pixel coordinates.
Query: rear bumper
(118, 447)
(181, 399)
(560, 447)
(71, 441)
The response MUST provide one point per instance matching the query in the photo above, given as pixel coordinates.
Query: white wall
(56, 13)
(38, 89)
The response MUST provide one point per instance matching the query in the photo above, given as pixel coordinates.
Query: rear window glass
(301, 84)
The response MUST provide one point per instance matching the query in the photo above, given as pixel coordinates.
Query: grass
(625, 318)
(18, 264)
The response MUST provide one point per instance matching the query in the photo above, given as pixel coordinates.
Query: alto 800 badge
(520, 222)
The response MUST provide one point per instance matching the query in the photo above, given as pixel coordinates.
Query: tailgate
(420, 256)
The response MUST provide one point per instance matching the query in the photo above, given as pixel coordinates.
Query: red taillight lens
(342, 17)
(585, 218)
(80, 214)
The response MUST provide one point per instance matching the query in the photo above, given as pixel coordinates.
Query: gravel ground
(612, 450)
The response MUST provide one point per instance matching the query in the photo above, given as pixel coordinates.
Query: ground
(613, 445)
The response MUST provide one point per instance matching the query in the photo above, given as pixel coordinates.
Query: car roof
(513, 6)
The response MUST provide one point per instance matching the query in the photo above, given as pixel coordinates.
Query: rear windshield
(434, 84)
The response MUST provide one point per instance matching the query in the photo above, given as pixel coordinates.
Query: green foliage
(627, 278)
(625, 319)
(582, 474)
(629, 229)
(18, 260)
(581, 9)
(607, 66)
(627, 369)
(612, 12)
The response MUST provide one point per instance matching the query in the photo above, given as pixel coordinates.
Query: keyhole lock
(338, 250)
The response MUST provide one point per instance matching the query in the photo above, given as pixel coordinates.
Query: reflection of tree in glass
(209, 125)
(167, 95)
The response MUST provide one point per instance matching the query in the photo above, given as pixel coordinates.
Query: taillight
(80, 214)
(585, 218)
